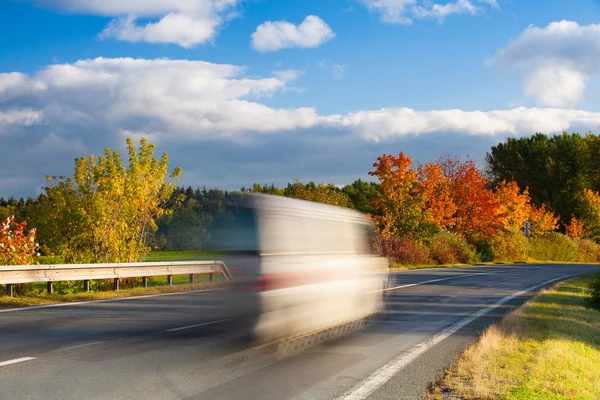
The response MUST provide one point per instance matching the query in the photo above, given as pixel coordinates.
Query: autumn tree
(575, 229)
(478, 215)
(107, 211)
(399, 201)
(435, 190)
(590, 213)
(18, 246)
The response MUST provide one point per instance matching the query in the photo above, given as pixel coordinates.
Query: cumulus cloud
(406, 11)
(183, 22)
(555, 85)
(211, 120)
(557, 59)
(278, 35)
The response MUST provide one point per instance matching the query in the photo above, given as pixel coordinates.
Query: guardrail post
(144, 281)
(86, 285)
(9, 290)
(211, 277)
(170, 280)
(116, 284)
(192, 278)
(49, 287)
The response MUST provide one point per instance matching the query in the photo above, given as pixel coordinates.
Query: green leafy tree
(555, 169)
(107, 211)
(362, 194)
(321, 193)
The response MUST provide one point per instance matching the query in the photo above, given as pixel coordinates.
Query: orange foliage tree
(517, 208)
(436, 191)
(478, 215)
(399, 201)
(575, 228)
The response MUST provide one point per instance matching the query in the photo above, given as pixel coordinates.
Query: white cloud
(559, 59)
(183, 22)
(287, 75)
(277, 35)
(210, 119)
(25, 117)
(555, 85)
(337, 70)
(406, 11)
(196, 100)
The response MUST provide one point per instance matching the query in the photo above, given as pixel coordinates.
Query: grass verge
(188, 255)
(44, 298)
(547, 349)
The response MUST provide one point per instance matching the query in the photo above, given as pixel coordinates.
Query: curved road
(174, 346)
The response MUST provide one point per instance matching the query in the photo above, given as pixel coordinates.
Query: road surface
(174, 346)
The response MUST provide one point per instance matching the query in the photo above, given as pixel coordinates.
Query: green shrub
(449, 248)
(553, 246)
(594, 299)
(509, 246)
(485, 251)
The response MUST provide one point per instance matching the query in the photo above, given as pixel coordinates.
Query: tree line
(445, 210)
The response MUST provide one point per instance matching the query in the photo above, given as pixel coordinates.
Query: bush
(594, 299)
(485, 251)
(553, 247)
(588, 251)
(508, 246)
(404, 250)
(449, 248)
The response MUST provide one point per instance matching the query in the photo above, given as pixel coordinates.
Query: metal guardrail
(13, 274)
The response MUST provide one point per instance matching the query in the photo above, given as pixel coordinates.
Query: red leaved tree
(17, 247)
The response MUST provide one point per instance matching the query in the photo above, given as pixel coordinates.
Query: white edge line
(447, 279)
(16, 360)
(77, 303)
(385, 373)
(181, 328)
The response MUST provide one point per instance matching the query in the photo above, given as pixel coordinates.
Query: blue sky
(239, 91)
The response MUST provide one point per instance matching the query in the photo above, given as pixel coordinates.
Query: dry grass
(547, 349)
(35, 299)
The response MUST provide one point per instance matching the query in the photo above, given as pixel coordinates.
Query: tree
(478, 215)
(589, 211)
(555, 169)
(321, 193)
(361, 195)
(17, 245)
(399, 202)
(435, 188)
(107, 212)
(575, 228)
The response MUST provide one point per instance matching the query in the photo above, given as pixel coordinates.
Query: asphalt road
(174, 347)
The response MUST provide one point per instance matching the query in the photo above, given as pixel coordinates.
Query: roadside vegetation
(547, 349)
(38, 296)
(443, 212)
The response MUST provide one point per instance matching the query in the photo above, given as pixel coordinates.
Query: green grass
(156, 288)
(547, 349)
(190, 255)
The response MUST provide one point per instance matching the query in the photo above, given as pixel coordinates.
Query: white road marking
(181, 328)
(365, 388)
(447, 279)
(78, 303)
(15, 361)
(78, 346)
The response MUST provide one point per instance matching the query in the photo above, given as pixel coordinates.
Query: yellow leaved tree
(107, 211)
